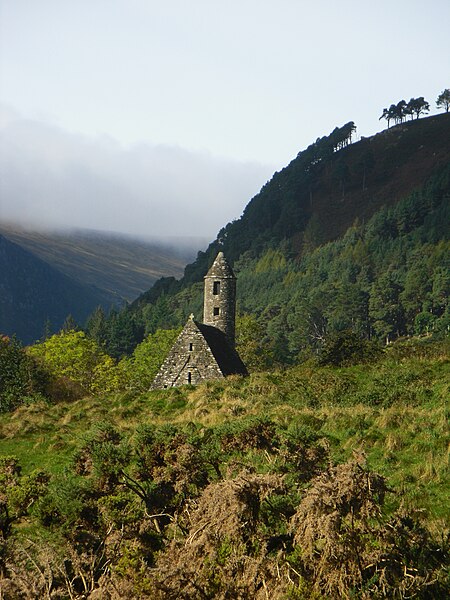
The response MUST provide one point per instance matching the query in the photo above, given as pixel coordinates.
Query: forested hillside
(347, 237)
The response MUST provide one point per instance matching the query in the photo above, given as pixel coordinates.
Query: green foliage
(346, 348)
(19, 493)
(141, 367)
(443, 100)
(102, 457)
(122, 332)
(252, 344)
(244, 486)
(74, 358)
(96, 326)
(250, 471)
(385, 309)
(21, 379)
(374, 281)
(317, 249)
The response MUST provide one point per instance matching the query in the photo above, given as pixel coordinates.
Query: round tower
(219, 304)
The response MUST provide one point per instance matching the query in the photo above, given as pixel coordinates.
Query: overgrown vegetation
(305, 483)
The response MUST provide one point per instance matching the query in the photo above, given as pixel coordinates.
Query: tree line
(414, 108)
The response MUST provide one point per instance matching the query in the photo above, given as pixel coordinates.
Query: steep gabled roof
(227, 358)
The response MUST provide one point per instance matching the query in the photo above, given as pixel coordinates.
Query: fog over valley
(55, 179)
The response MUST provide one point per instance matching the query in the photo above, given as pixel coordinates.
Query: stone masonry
(219, 305)
(205, 351)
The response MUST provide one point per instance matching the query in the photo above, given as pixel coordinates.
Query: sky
(166, 118)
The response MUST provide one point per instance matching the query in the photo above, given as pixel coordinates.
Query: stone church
(205, 351)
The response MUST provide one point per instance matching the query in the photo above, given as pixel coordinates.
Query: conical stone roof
(221, 268)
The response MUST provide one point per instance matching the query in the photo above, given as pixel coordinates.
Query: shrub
(347, 348)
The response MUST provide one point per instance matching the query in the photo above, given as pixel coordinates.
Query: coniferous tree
(48, 330)
(69, 324)
(385, 310)
(96, 326)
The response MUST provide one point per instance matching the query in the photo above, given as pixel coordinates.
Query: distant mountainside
(44, 276)
(31, 291)
(347, 236)
(120, 265)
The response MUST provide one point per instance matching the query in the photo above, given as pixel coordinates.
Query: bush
(347, 348)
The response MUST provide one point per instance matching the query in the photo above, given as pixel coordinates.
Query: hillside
(121, 266)
(327, 190)
(32, 292)
(323, 474)
(333, 241)
(46, 276)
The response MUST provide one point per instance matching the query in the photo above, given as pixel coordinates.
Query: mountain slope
(327, 190)
(122, 266)
(350, 239)
(31, 291)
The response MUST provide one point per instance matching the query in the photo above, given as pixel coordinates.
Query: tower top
(221, 268)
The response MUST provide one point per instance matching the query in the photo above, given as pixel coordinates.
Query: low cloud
(54, 179)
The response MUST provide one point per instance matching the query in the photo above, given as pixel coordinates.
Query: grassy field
(395, 411)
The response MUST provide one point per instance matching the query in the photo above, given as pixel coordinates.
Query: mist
(53, 179)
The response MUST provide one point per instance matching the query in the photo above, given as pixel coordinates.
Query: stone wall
(189, 361)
